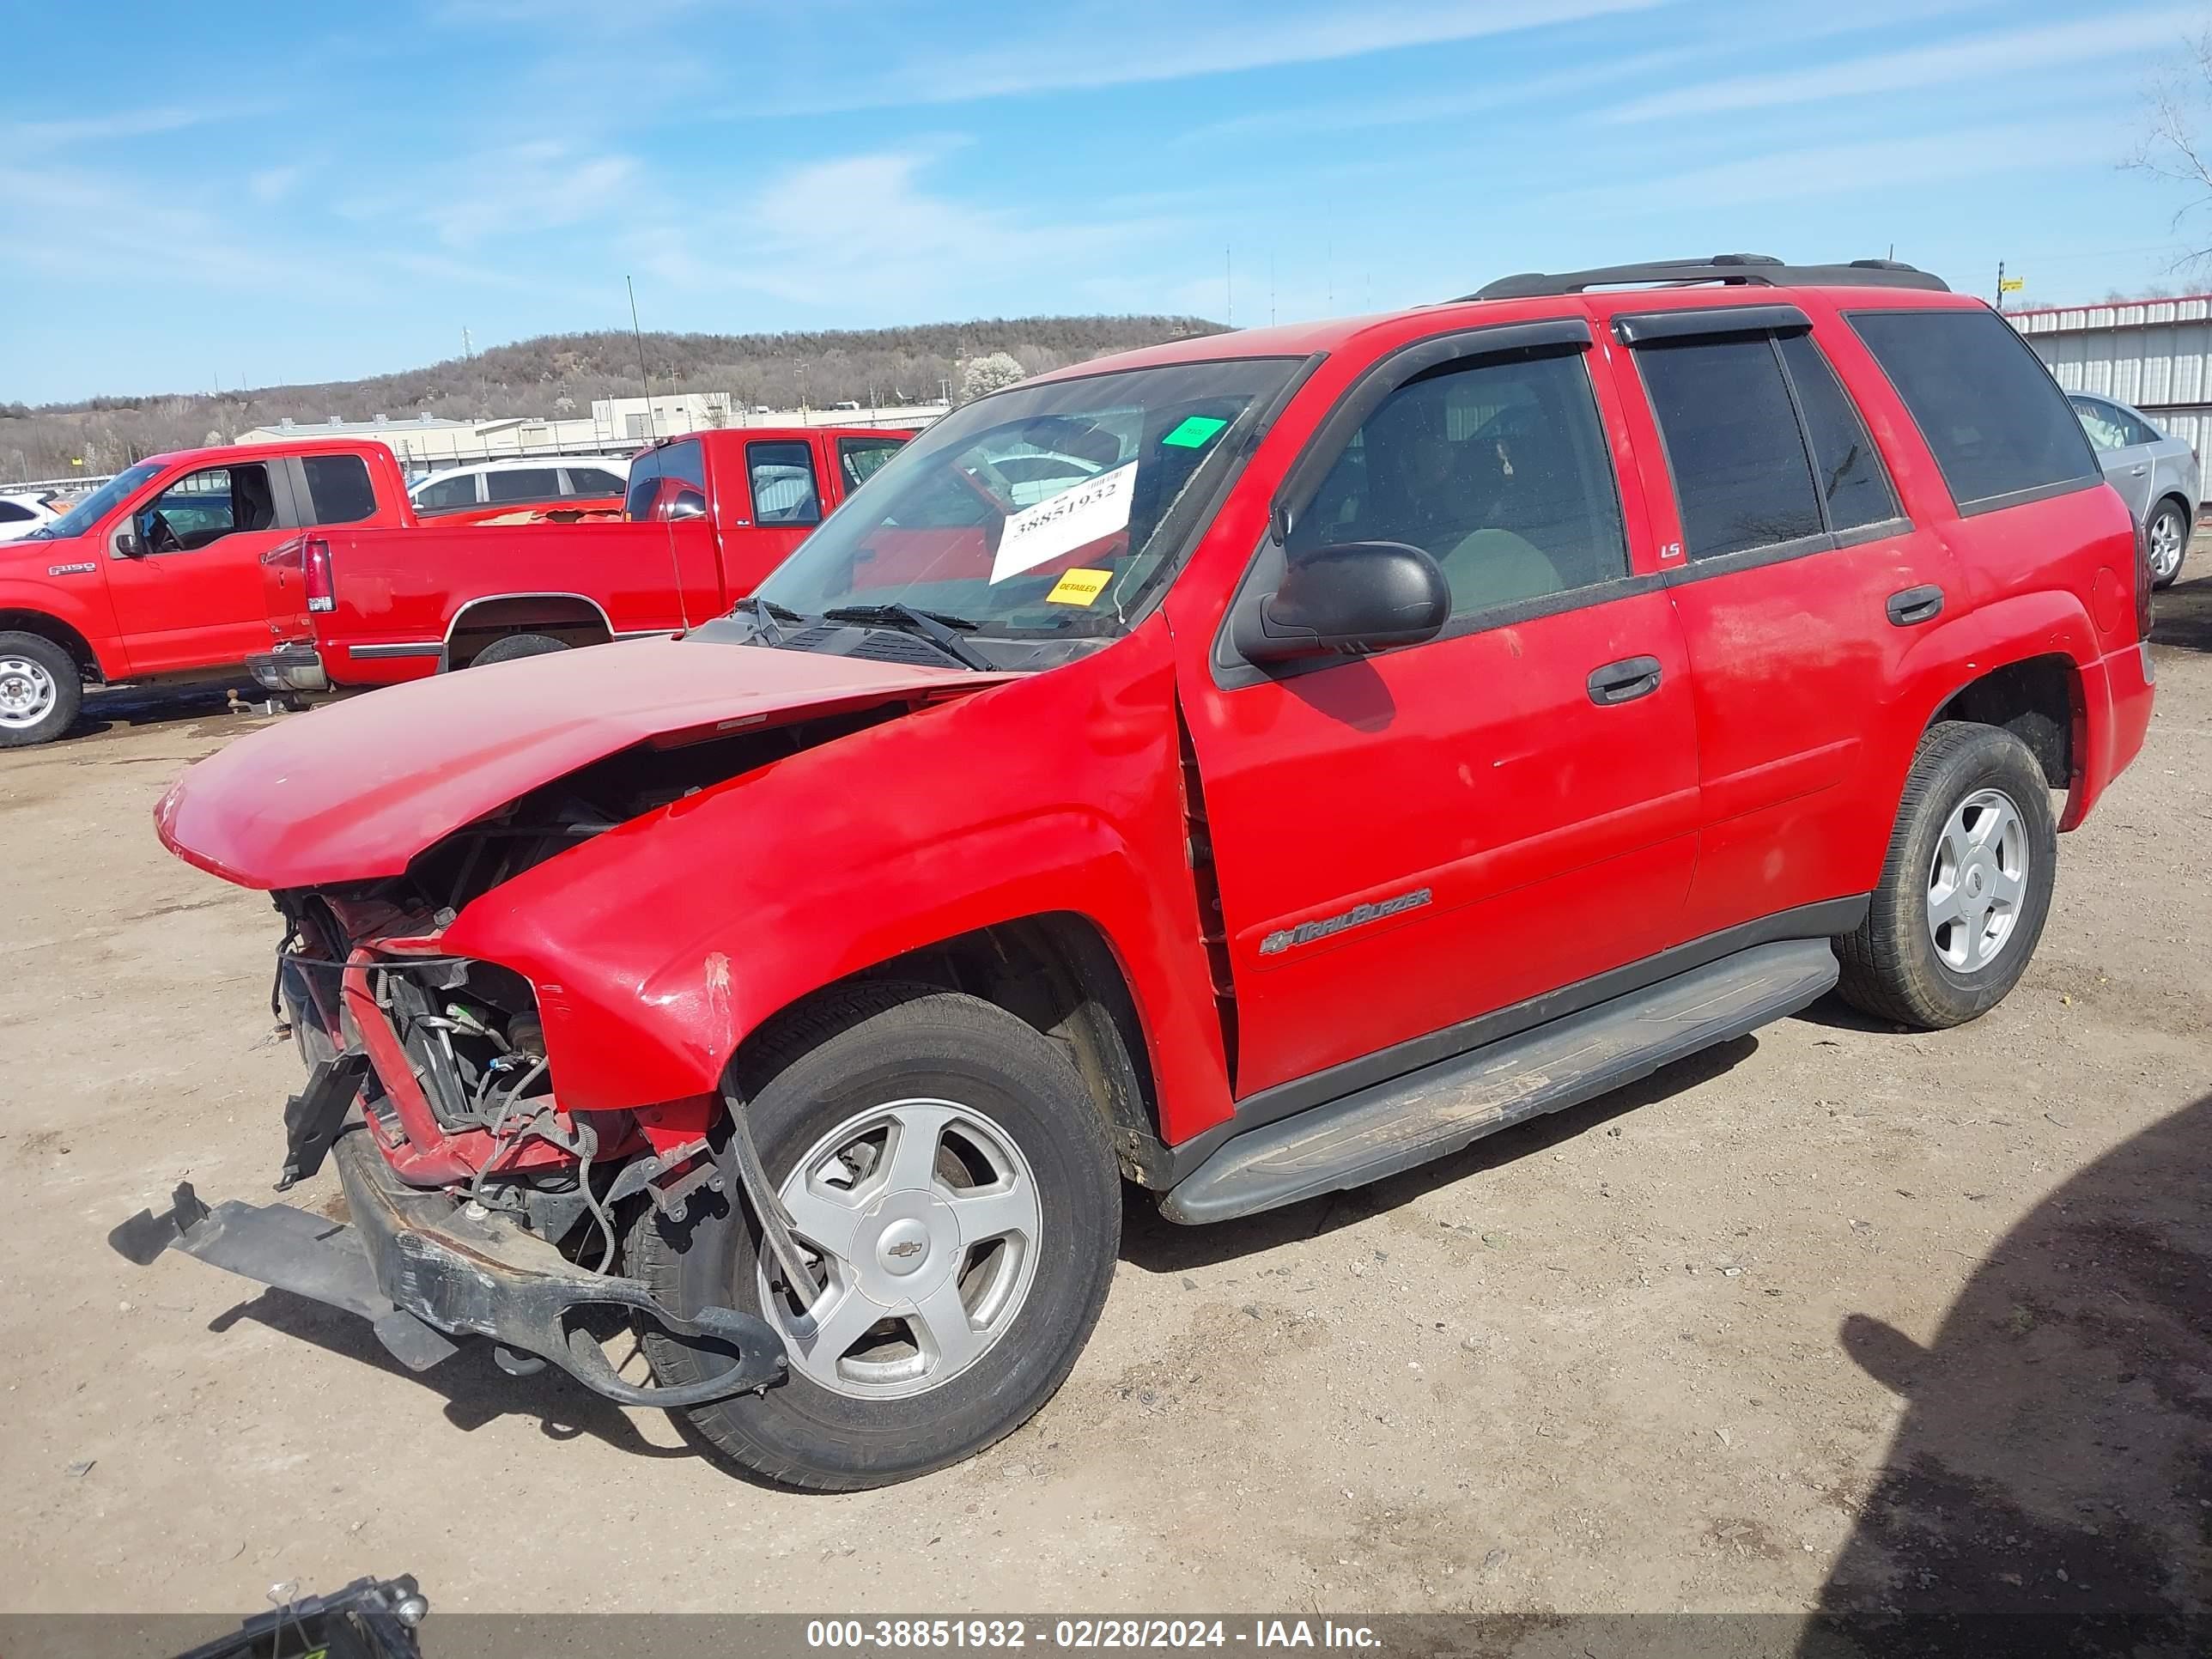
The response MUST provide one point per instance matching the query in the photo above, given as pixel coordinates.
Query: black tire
(2170, 509)
(1891, 967)
(837, 1055)
(508, 646)
(68, 689)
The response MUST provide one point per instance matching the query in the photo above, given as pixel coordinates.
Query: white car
(548, 482)
(22, 511)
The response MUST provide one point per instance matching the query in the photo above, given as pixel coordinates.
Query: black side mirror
(128, 546)
(1354, 597)
(687, 504)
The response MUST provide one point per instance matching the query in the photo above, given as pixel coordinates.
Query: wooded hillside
(562, 373)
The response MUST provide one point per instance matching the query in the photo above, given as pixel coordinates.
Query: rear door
(1408, 842)
(192, 596)
(1799, 582)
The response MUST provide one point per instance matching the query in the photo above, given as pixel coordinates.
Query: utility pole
(2000, 285)
(651, 433)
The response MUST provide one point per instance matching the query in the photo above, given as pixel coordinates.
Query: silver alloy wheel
(1977, 881)
(27, 692)
(925, 1223)
(2168, 537)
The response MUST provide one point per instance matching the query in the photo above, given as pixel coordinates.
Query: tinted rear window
(1996, 423)
(338, 489)
(1740, 474)
(1852, 485)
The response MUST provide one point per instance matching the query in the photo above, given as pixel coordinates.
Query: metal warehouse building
(2155, 353)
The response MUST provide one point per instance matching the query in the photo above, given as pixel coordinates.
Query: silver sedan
(2157, 476)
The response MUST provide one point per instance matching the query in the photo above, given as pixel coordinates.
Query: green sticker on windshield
(1194, 432)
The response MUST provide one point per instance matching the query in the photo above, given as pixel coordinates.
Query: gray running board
(1390, 1127)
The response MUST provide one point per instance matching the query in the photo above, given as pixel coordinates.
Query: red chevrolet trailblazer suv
(1244, 768)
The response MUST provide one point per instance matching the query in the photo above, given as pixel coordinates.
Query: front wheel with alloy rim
(1965, 887)
(40, 690)
(957, 1207)
(2168, 535)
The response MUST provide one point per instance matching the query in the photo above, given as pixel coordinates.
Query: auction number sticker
(1075, 518)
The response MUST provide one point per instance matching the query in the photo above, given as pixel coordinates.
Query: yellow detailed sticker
(1078, 587)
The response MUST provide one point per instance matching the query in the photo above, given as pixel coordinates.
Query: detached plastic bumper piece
(421, 1272)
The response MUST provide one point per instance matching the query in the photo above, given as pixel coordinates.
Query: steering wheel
(161, 536)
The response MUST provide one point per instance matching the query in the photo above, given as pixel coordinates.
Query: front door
(1409, 840)
(781, 477)
(191, 596)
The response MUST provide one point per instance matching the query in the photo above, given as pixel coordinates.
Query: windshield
(95, 507)
(1035, 513)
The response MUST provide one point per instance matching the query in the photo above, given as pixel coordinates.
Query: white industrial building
(615, 426)
(2153, 354)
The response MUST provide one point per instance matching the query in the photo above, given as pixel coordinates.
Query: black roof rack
(1761, 268)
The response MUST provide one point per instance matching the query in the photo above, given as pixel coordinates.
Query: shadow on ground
(151, 704)
(476, 1390)
(1154, 1245)
(2181, 615)
(2050, 1489)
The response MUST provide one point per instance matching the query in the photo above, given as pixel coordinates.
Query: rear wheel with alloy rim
(957, 1205)
(40, 690)
(1966, 886)
(2168, 535)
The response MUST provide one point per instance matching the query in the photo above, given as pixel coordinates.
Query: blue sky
(286, 193)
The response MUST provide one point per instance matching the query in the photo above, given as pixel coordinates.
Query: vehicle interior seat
(252, 504)
(1490, 568)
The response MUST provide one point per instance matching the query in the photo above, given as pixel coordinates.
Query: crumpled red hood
(354, 791)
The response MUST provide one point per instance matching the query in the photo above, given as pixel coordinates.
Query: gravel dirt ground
(1835, 1315)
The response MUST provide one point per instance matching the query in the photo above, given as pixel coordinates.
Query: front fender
(76, 599)
(657, 948)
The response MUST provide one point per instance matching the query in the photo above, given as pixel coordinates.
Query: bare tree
(2179, 101)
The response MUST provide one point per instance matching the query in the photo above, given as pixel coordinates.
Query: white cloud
(516, 190)
(1103, 42)
(274, 184)
(866, 231)
(1984, 59)
(1882, 164)
(38, 136)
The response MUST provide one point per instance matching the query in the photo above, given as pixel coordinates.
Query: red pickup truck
(706, 517)
(156, 575)
(1246, 769)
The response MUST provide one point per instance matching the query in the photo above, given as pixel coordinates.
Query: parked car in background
(2158, 476)
(1421, 723)
(22, 511)
(707, 516)
(492, 488)
(156, 575)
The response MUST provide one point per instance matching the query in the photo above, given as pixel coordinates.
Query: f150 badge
(1307, 931)
(69, 569)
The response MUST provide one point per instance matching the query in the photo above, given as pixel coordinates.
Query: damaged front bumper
(420, 1271)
